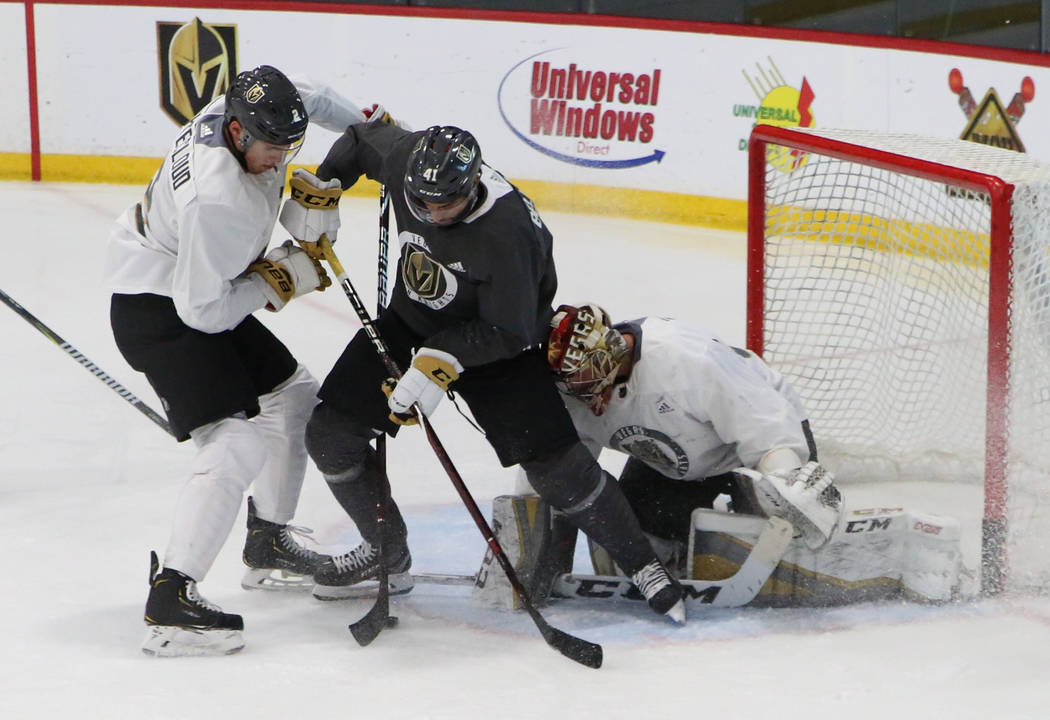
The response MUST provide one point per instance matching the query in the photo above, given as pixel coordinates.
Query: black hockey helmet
(268, 106)
(442, 168)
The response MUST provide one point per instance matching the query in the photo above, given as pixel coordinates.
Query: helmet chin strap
(240, 146)
(476, 196)
(479, 195)
(246, 140)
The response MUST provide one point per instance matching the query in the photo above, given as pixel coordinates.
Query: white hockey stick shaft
(91, 367)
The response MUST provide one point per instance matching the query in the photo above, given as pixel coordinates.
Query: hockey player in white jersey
(188, 266)
(697, 417)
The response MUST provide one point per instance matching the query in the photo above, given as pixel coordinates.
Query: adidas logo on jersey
(662, 407)
(458, 266)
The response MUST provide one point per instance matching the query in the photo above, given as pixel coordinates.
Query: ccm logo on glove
(311, 199)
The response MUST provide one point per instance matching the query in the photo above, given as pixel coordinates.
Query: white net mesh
(876, 298)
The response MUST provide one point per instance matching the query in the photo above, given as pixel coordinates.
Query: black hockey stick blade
(572, 647)
(375, 620)
(582, 651)
(378, 617)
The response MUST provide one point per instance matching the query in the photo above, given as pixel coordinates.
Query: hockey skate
(805, 496)
(347, 576)
(180, 622)
(663, 592)
(275, 559)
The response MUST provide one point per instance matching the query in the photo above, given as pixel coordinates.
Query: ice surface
(87, 485)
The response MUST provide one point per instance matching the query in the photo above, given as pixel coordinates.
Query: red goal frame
(993, 531)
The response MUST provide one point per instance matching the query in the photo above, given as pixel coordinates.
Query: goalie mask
(585, 353)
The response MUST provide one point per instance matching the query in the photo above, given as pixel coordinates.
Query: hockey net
(902, 285)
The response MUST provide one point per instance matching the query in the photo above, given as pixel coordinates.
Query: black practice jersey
(480, 289)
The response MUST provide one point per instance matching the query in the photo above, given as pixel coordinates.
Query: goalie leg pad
(540, 544)
(932, 560)
(874, 554)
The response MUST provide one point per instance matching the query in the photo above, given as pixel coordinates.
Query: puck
(391, 621)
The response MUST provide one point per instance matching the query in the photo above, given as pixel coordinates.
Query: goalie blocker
(740, 560)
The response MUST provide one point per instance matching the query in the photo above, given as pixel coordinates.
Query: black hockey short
(664, 505)
(514, 401)
(200, 377)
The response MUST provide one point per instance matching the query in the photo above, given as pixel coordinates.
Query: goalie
(697, 417)
(701, 421)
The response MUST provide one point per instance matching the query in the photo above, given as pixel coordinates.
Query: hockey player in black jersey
(469, 313)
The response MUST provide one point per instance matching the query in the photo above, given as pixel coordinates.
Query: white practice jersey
(693, 406)
(204, 219)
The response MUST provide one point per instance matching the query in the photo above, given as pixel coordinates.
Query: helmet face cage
(421, 212)
(247, 138)
(269, 108)
(442, 168)
(594, 376)
(585, 352)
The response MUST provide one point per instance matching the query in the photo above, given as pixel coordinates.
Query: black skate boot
(345, 576)
(181, 622)
(275, 560)
(663, 592)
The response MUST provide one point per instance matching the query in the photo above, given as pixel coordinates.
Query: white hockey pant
(232, 453)
(282, 423)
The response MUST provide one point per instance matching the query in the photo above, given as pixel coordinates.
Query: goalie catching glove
(804, 495)
(287, 272)
(425, 383)
(312, 210)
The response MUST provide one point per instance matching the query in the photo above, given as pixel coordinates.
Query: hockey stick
(735, 591)
(87, 364)
(574, 648)
(378, 616)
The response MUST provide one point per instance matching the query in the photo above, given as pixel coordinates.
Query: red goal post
(902, 285)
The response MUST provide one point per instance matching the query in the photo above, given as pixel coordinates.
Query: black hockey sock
(572, 481)
(609, 521)
(358, 492)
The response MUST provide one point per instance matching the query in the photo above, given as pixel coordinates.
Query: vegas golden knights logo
(198, 61)
(423, 275)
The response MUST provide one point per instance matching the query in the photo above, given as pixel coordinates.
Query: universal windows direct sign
(583, 110)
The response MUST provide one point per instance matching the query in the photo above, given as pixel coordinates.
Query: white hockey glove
(312, 210)
(806, 496)
(287, 272)
(425, 383)
(378, 113)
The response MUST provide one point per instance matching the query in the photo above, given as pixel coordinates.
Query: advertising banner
(657, 111)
